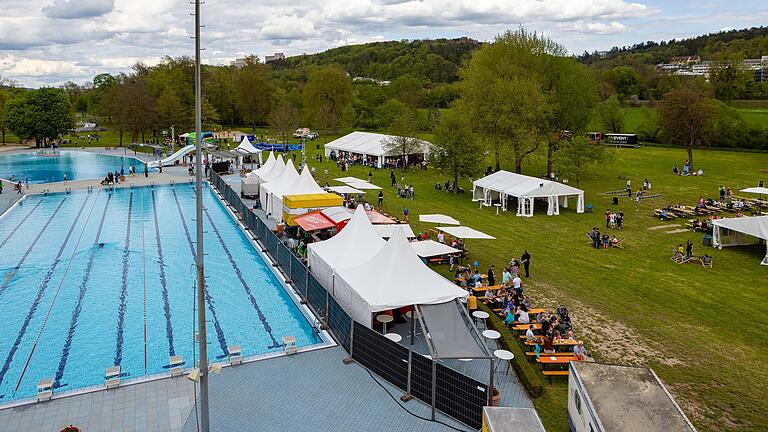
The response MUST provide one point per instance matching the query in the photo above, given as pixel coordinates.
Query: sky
(49, 42)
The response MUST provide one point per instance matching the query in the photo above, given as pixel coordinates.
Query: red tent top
(378, 218)
(314, 221)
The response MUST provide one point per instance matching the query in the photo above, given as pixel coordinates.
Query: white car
(301, 133)
(311, 136)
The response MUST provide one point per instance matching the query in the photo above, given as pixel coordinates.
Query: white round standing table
(481, 315)
(491, 335)
(394, 337)
(503, 355)
(384, 319)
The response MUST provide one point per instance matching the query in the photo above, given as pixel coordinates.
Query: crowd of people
(603, 241)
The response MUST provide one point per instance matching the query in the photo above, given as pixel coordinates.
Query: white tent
(304, 184)
(430, 248)
(439, 219)
(386, 230)
(287, 176)
(755, 226)
(357, 243)
(246, 147)
(367, 144)
(463, 232)
(503, 184)
(396, 277)
(269, 172)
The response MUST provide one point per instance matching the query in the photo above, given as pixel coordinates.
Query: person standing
(1, 186)
(405, 213)
(491, 276)
(65, 178)
(629, 187)
(146, 170)
(381, 199)
(526, 259)
(688, 249)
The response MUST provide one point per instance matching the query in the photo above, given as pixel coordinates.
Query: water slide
(172, 159)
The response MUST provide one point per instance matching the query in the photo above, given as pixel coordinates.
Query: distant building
(693, 66)
(685, 60)
(238, 63)
(276, 56)
(370, 80)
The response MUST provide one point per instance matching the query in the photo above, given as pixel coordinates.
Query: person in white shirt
(441, 237)
(517, 283)
(579, 351)
(529, 334)
(523, 317)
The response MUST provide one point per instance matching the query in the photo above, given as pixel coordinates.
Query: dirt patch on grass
(658, 227)
(677, 231)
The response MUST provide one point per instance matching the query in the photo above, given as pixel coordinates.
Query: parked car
(311, 136)
(301, 133)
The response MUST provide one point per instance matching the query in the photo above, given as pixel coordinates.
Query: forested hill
(434, 61)
(749, 43)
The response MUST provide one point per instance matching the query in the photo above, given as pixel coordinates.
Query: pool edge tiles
(87, 383)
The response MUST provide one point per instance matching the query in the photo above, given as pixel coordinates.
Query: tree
(649, 127)
(578, 157)
(502, 93)
(209, 117)
(5, 96)
(612, 115)
(254, 91)
(401, 141)
(686, 117)
(42, 115)
(170, 112)
(728, 77)
(327, 95)
(284, 119)
(455, 150)
(408, 90)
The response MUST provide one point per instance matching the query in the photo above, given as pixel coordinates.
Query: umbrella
(439, 219)
(463, 232)
(428, 248)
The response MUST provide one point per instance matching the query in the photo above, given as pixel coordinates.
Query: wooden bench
(557, 354)
(550, 374)
(438, 260)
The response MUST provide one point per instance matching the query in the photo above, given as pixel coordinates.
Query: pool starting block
(112, 376)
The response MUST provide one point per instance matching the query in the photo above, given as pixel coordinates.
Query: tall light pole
(202, 339)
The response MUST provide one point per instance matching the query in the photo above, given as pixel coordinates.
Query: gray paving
(311, 391)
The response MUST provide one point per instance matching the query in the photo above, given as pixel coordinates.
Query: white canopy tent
(344, 190)
(430, 248)
(349, 180)
(357, 243)
(395, 277)
(463, 232)
(503, 184)
(386, 230)
(369, 145)
(439, 219)
(304, 184)
(246, 147)
(265, 167)
(755, 226)
(272, 171)
(287, 177)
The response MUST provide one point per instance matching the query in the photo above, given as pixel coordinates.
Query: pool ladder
(90, 188)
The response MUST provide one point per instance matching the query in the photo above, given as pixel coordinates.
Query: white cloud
(73, 9)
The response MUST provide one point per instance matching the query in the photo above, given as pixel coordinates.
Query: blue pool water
(78, 165)
(90, 280)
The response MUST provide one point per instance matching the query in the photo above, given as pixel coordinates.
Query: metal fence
(447, 390)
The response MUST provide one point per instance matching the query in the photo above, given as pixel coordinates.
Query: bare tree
(284, 119)
(401, 142)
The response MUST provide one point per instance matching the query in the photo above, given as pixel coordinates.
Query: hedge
(527, 374)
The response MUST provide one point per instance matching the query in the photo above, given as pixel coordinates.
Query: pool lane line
(18, 225)
(208, 298)
(163, 281)
(123, 287)
(39, 297)
(144, 270)
(13, 272)
(79, 306)
(262, 317)
(58, 290)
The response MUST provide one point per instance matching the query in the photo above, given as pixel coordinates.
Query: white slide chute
(177, 156)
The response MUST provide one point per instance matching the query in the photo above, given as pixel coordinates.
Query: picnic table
(563, 343)
(524, 327)
(545, 359)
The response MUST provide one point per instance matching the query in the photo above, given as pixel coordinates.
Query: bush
(527, 374)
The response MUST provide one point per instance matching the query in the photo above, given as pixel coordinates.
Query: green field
(699, 329)
(756, 116)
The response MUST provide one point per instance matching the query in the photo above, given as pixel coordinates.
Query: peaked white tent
(304, 184)
(249, 185)
(269, 172)
(755, 226)
(388, 230)
(503, 184)
(246, 147)
(395, 277)
(287, 176)
(367, 144)
(357, 243)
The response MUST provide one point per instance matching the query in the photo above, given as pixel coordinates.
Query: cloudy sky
(48, 42)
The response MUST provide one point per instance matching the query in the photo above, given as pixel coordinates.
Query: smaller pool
(78, 165)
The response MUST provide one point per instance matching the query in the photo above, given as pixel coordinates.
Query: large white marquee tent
(395, 277)
(357, 243)
(367, 144)
(755, 226)
(304, 184)
(503, 184)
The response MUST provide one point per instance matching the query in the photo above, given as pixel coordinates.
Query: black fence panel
(284, 258)
(380, 355)
(460, 396)
(316, 295)
(272, 244)
(421, 377)
(299, 275)
(339, 323)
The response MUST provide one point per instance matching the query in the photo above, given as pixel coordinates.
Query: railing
(454, 393)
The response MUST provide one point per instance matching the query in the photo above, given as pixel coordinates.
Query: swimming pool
(78, 165)
(90, 280)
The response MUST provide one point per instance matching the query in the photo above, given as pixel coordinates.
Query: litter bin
(615, 200)
(707, 241)
(588, 208)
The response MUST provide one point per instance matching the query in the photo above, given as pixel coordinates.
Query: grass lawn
(755, 116)
(702, 330)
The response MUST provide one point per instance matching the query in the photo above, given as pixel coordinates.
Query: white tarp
(303, 185)
(386, 230)
(287, 176)
(367, 144)
(756, 190)
(246, 147)
(439, 219)
(755, 226)
(463, 232)
(395, 277)
(357, 243)
(430, 248)
(503, 184)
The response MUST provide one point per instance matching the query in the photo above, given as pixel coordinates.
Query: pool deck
(311, 390)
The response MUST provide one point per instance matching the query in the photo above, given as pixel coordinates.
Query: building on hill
(276, 56)
(685, 60)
